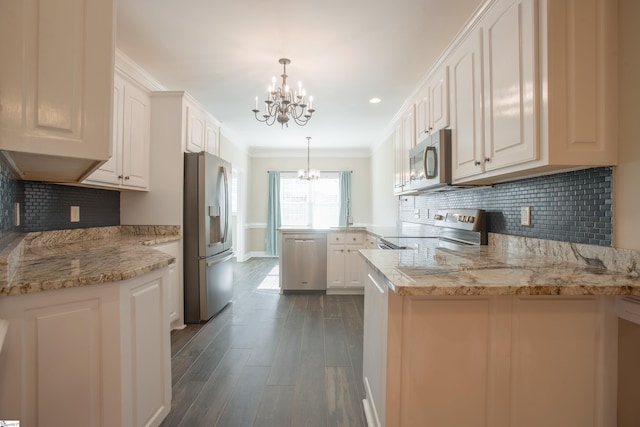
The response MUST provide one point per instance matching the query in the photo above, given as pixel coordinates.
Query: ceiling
(344, 53)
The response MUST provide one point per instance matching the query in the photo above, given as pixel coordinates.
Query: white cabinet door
(135, 139)
(335, 266)
(423, 111)
(465, 65)
(129, 166)
(398, 154)
(56, 75)
(375, 349)
(146, 373)
(408, 142)
(195, 129)
(354, 267)
(175, 284)
(438, 87)
(510, 85)
(110, 172)
(212, 137)
(62, 357)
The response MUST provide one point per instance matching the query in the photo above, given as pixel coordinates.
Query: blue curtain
(345, 198)
(273, 213)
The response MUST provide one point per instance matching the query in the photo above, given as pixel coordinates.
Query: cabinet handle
(477, 163)
(487, 159)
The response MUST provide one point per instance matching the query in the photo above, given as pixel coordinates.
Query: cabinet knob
(126, 178)
(477, 163)
(120, 177)
(341, 250)
(487, 159)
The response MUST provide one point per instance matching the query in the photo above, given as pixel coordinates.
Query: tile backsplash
(571, 206)
(45, 206)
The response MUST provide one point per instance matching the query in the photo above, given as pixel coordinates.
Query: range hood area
(39, 167)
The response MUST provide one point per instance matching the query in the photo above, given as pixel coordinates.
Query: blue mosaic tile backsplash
(572, 206)
(45, 206)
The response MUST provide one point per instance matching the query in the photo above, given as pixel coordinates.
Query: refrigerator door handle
(212, 262)
(226, 205)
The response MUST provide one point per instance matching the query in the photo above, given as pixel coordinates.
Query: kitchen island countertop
(44, 261)
(526, 267)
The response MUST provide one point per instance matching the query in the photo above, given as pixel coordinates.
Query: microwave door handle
(430, 151)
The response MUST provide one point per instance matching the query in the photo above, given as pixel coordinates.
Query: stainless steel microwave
(430, 163)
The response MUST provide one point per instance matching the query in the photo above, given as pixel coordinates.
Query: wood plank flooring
(269, 359)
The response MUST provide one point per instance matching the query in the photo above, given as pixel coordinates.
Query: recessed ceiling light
(375, 100)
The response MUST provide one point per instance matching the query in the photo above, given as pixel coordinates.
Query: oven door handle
(382, 245)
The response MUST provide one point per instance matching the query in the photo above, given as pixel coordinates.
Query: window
(310, 203)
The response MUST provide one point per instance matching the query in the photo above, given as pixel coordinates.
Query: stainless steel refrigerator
(208, 268)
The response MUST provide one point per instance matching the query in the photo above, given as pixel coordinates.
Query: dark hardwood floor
(269, 359)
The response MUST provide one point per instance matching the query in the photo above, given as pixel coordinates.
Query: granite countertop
(405, 230)
(44, 261)
(509, 266)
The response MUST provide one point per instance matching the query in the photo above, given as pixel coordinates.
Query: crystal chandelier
(308, 174)
(281, 104)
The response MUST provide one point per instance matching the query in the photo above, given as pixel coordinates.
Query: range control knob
(471, 219)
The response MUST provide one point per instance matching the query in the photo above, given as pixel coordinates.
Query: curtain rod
(320, 171)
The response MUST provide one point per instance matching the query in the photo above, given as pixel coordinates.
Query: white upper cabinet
(432, 105)
(212, 136)
(548, 88)
(56, 83)
(128, 167)
(466, 106)
(202, 130)
(398, 155)
(509, 84)
(195, 137)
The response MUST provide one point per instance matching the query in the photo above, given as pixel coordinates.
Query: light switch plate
(75, 213)
(525, 215)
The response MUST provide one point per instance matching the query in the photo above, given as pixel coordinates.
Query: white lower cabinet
(88, 356)
(345, 266)
(499, 361)
(375, 349)
(176, 297)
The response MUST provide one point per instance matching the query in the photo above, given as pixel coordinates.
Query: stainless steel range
(461, 227)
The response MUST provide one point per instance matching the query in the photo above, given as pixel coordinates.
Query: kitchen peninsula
(88, 326)
(520, 332)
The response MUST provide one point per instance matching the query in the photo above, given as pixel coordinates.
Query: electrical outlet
(75, 213)
(525, 215)
(416, 213)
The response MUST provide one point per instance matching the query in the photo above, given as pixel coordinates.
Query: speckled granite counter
(510, 266)
(51, 260)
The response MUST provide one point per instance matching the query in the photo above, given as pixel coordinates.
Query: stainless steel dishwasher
(304, 262)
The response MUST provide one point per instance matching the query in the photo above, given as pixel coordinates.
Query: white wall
(384, 205)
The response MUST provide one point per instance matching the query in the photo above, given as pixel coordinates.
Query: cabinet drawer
(335, 238)
(354, 238)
